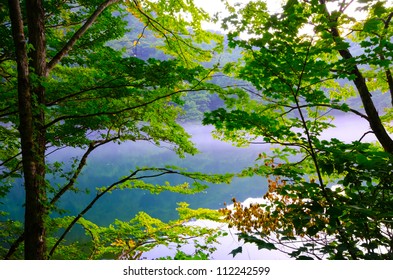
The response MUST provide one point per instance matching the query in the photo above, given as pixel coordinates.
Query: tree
(326, 198)
(64, 86)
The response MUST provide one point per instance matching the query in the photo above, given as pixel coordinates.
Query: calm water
(111, 162)
(114, 161)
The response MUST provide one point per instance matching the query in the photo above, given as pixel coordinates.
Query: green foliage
(170, 20)
(326, 198)
(129, 240)
(97, 91)
(198, 255)
(9, 230)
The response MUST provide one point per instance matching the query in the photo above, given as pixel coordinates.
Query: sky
(214, 6)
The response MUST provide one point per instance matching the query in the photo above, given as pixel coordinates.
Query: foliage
(326, 198)
(9, 231)
(65, 84)
(129, 240)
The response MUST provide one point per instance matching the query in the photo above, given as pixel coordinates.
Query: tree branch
(70, 44)
(313, 154)
(57, 101)
(99, 195)
(162, 29)
(195, 88)
(374, 120)
(15, 246)
(328, 106)
(73, 179)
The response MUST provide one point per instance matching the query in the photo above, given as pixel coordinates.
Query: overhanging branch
(62, 118)
(162, 171)
(356, 112)
(70, 44)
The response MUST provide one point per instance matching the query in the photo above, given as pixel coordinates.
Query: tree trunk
(36, 200)
(31, 97)
(372, 113)
(373, 117)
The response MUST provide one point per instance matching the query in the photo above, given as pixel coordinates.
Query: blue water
(111, 162)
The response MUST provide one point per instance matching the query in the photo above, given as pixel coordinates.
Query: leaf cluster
(326, 198)
(129, 240)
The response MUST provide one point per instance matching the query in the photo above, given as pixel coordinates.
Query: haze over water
(111, 162)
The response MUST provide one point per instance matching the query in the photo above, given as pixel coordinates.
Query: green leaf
(261, 244)
(372, 25)
(236, 251)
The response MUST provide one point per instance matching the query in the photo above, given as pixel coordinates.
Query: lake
(111, 162)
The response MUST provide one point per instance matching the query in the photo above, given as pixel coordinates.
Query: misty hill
(141, 43)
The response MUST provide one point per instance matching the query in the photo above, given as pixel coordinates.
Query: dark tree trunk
(372, 113)
(373, 117)
(32, 122)
(31, 98)
(36, 200)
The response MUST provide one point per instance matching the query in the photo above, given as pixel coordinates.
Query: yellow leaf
(131, 243)
(118, 243)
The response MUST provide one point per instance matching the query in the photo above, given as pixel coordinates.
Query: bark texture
(33, 69)
(31, 121)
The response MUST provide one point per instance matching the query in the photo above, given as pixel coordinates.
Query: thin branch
(364, 135)
(162, 29)
(194, 88)
(305, 127)
(328, 106)
(344, 6)
(287, 144)
(18, 167)
(15, 246)
(141, 35)
(163, 171)
(55, 102)
(70, 44)
(93, 238)
(9, 113)
(9, 159)
(388, 20)
(60, 25)
(77, 172)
